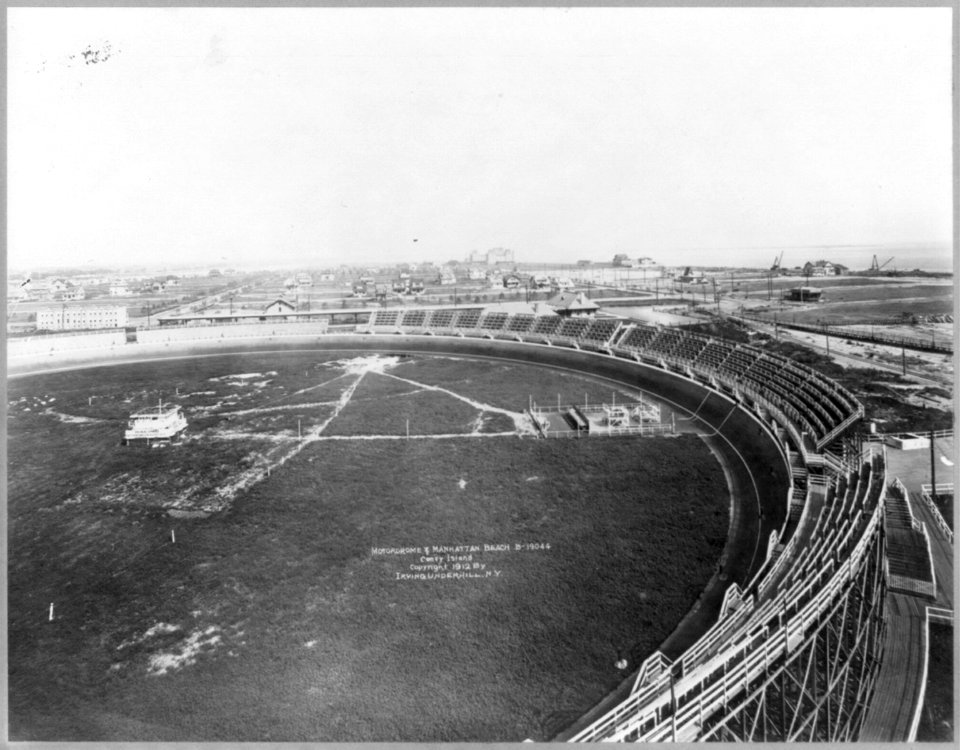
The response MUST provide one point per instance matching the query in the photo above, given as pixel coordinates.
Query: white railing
(938, 518)
(940, 615)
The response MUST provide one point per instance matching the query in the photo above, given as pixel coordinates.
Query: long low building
(278, 314)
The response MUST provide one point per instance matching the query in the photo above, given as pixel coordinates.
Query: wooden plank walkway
(900, 682)
(940, 549)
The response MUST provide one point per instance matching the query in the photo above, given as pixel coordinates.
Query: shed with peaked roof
(573, 305)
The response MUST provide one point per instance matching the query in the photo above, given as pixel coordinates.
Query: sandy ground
(927, 368)
(664, 315)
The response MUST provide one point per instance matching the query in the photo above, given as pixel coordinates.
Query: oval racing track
(741, 443)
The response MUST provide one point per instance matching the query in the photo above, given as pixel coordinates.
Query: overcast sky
(245, 136)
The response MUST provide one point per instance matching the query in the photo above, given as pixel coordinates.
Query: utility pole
(903, 355)
(933, 469)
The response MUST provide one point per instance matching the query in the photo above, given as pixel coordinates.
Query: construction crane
(876, 266)
(774, 271)
(775, 268)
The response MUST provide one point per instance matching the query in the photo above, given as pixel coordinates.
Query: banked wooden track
(794, 652)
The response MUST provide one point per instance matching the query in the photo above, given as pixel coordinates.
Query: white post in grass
(408, 428)
(299, 435)
(51, 613)
(173, 536)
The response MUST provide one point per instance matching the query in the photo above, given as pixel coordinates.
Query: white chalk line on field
(520, 420)
(288, 446)
(314, 387)
(254, 475)
(289, 438)
(278, 407)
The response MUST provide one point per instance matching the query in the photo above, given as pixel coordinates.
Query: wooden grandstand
(796, 651)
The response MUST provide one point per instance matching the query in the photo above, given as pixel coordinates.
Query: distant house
(573, 305)
(822, 268)
(511, 281)
(71, 293)
(279, 307)
(58, 285)
(447, 276)
(118, 289)
(540, 282)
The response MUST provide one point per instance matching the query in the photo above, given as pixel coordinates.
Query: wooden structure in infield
(585, 420)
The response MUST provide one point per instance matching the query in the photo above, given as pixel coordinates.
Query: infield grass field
(287, 605)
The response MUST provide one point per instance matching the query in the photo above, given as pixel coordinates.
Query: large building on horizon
(65, 318)
(492, 257)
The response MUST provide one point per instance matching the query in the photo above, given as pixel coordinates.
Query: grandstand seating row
(598, 331)
(812, 402)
